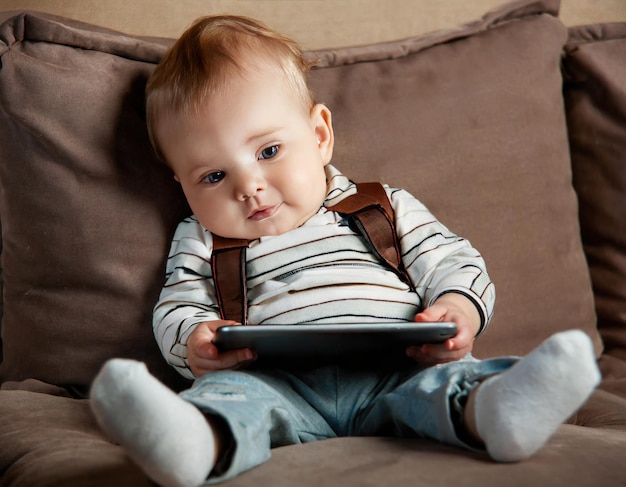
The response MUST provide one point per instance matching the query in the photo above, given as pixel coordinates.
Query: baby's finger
(434, 313)
(205, 350)
(234, 358)
(432, 354)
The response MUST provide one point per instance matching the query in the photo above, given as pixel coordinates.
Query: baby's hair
(208, 54)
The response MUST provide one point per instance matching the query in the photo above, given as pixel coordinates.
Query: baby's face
(251, 163)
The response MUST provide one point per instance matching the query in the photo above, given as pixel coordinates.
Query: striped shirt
(321, 272)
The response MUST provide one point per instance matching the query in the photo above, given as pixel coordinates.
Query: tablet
(332, 341)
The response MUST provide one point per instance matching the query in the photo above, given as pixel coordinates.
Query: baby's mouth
(263, 212)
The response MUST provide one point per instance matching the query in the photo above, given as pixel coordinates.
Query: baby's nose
(249, 184)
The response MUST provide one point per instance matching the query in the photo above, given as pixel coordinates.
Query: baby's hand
(203, 355)
(449, 307)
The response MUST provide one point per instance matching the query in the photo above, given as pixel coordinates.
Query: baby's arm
(449, 275)
(203, 356)
(453, 307)
(187, 314)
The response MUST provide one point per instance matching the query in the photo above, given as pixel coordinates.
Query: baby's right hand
(203, 355)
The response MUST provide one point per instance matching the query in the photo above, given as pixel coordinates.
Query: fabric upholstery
(75, 451)
(594, 68)
(347, 23)
(87, 213)
(69, 452)
(470, 121)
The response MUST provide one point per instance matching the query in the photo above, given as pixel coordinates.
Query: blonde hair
(209, 53)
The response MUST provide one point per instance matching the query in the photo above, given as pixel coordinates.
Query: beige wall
(315, 23)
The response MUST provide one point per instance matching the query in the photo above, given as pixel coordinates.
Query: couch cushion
(469, 120)
(53, 441)
(595, 98)
(564, 462)
(48, 440)
(87, 213)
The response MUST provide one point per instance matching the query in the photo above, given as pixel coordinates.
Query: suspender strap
(228, 264)
(369, 209)
(373, 216)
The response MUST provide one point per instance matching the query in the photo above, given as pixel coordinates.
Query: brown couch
(511, 128)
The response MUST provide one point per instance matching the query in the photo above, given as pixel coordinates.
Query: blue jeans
(263, 409)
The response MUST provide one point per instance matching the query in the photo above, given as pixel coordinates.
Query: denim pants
(266, 408)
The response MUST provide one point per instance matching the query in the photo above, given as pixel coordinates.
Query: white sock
(169, 438)
(519, 410)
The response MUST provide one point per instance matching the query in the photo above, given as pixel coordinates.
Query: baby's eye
(269, 152)
(214, 177)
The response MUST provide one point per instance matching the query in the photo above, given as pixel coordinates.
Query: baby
(230, 112)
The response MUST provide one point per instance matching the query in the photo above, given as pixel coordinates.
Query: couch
(506, 120)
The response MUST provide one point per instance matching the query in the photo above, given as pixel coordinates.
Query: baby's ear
(322, 124)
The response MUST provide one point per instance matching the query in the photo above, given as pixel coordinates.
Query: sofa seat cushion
(49, 441)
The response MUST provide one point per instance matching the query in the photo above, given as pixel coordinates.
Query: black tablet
(332, 341)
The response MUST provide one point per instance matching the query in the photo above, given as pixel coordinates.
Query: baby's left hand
(449, 307)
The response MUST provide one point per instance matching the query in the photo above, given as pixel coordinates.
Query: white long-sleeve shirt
(321, 272)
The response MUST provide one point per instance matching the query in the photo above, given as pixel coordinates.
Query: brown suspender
(228, 264)
(370, 211)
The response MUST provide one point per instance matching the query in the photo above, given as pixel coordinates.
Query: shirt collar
(339, 186)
